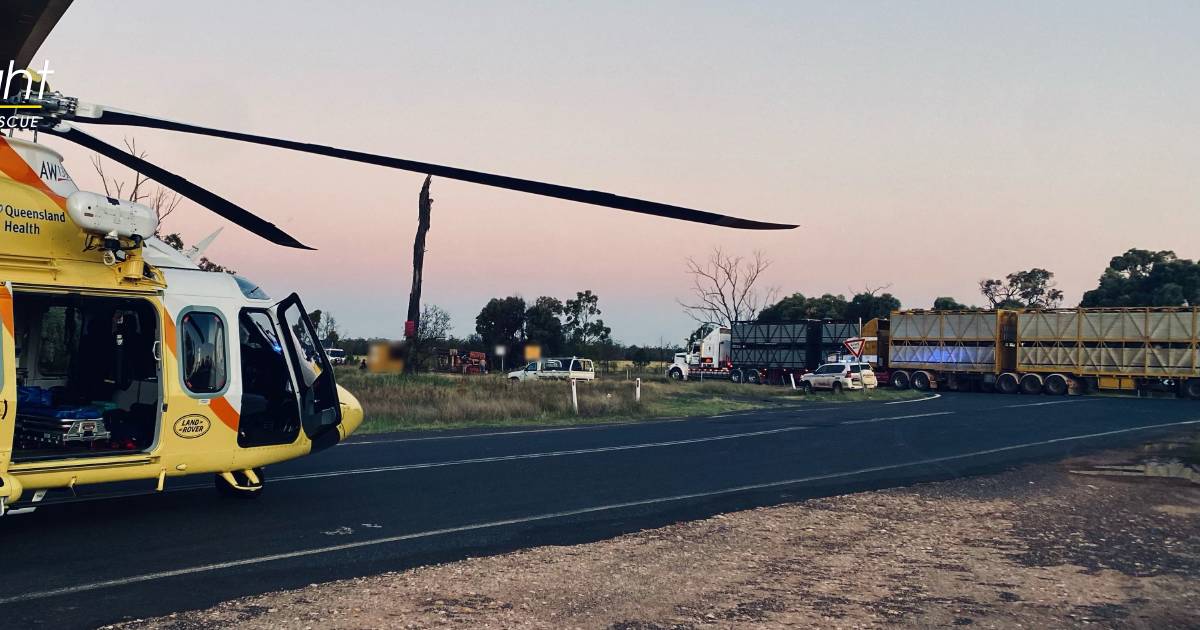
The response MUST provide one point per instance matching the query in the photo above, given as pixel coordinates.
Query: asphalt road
(391, 502)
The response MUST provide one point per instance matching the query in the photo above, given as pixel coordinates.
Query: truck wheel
(1031, 384)
(676, 375)
(752, 377)
(920, 381)
(900, 380)
(1192, 388)
(1056, 385)
(837, 387)
(514, 380)
(1007, 383)
(736, 376)
(226, 490)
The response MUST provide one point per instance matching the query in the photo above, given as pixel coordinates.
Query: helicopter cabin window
(87, 375)
(270, 411)
(202, 352)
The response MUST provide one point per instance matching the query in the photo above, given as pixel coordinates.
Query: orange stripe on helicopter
(6, 308)
(225, 412)
(169, 330)
(13, 165)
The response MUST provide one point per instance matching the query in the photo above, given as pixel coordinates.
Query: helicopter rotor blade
(106, 116)
(223, 207)
(24, 25)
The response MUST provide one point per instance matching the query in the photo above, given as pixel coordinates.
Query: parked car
(561, 368)
(337, 356)
(839, 376)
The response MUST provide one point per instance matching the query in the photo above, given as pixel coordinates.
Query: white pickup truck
(337, 356)
(562, 369)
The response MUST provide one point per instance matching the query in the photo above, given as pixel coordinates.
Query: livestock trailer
(763, 352)
(1047, 350)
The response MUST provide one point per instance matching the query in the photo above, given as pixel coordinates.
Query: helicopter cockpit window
(202, 339)
(250, 289)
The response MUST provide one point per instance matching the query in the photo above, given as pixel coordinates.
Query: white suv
(839, 376)
(562, 369)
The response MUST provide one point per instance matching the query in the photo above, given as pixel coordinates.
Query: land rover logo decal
(192, 426)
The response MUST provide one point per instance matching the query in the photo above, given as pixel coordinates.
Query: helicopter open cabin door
(320, 412)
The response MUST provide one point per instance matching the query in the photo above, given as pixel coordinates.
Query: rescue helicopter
(122, 361)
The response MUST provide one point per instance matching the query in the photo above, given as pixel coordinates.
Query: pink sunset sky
(921, 145)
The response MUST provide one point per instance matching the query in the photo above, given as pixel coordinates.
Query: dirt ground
(1035, 547)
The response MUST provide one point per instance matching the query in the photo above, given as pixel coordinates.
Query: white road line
(606, 425)
(902, 402)
(509, 458)
(204, 568)
(1042, 404)
(584, 451)
(475, 435)
(916, 415)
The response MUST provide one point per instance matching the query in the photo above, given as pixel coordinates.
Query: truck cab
(708, 356)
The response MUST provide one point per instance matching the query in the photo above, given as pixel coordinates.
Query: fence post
(637, 391)
(574, 396)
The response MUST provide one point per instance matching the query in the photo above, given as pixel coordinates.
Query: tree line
(725, 289)
(570, 327)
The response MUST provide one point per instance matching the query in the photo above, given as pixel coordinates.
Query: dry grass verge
(440, 401)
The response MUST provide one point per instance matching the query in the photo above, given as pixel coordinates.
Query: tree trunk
(424, 206)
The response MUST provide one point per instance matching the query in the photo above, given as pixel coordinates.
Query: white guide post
(792, 375)
(575, 396)
(637, 391)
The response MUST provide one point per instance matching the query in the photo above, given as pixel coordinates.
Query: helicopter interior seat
(91, 372)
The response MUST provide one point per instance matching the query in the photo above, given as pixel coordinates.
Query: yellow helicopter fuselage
(140, 365)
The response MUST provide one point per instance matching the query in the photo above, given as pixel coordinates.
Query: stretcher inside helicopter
(88, 376)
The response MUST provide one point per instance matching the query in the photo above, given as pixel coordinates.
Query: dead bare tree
(869, 290)
(163, 200)
(424, 209)
(725, 288)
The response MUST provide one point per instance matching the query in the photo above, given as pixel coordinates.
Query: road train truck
(1048, 351)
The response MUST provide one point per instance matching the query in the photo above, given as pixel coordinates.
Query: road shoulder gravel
(1038, 546)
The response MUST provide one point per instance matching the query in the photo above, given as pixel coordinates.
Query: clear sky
(923, 145)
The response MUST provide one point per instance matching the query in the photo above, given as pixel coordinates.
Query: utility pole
(424, 206)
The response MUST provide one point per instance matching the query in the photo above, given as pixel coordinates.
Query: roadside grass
(395, 402)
